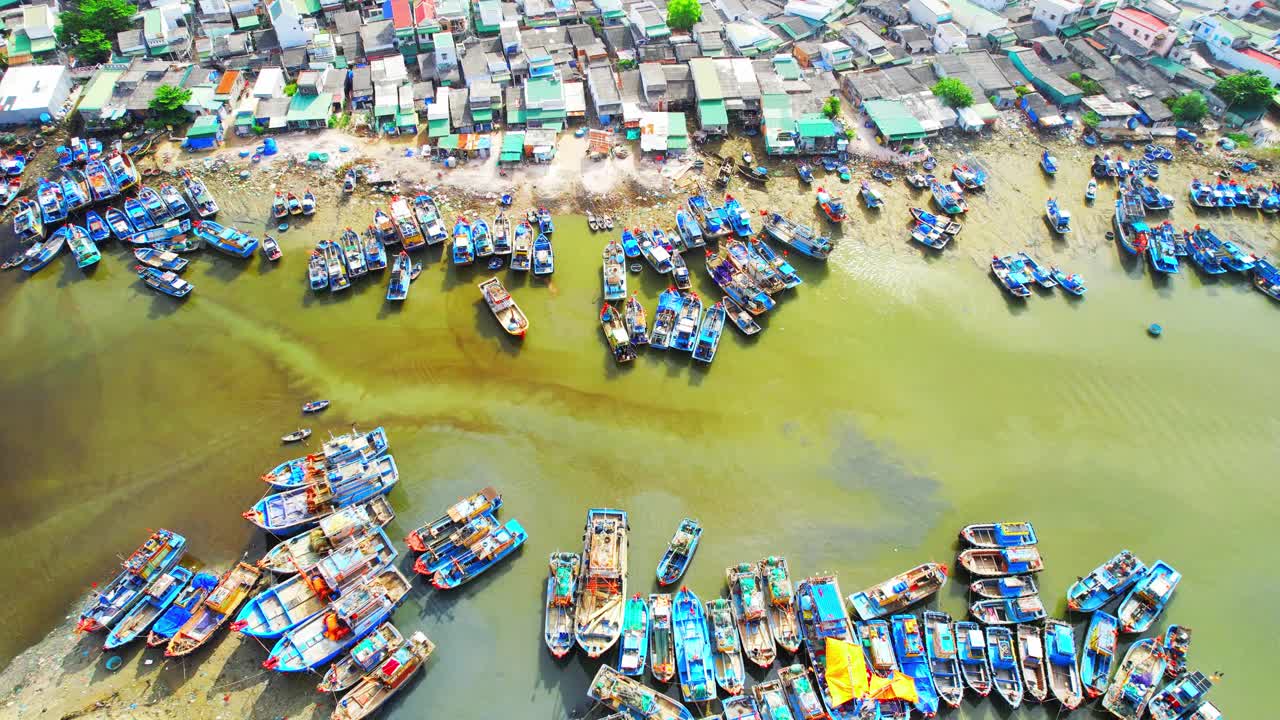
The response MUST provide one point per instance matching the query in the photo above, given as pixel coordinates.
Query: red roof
(1143, 18)
(1259, 55)
(227, 82)
(401, 18)
(424, 10)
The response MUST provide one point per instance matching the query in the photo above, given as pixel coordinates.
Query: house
(1113, 113)
(928, 14)
(1054, 87)
(446, 51)
(230, 87)
(610, 12)
(438, 114)
(98, 108)
(806, 52)
(1040, 112)
(605, 97)
(913, 38)
(1145, 29)
(29, 91)
(164, 33)
(713, 115)
(777, 124)
(1054, 14)
(893, 122)
(270, 83)
(361, 88)
(288, 24)
(666, 133)
(1152, 112)
(35, 36)
(819, 12)
(977, 20)
(948, 38)
(817, 135)
(544, 103)
(751, 37)
(310, 107)
(837, 56)
(483, 99)
(868, 43)
(647, 24)
(378, 38)
(205, 133)
(1238, 44)
(244, 119)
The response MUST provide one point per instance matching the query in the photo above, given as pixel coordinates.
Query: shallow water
(892, 398)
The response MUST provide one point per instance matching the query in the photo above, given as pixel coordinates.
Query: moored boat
(1147, 599)
(427, 213)
(226, 240)
(740, 707)
(1004, 534)
(690, 231)
(123, 173)
(487, 500)
(41, 253)
(746, 592)
(353, 523)
(335, 266)
(522, 247)
(616, 334)
(940, 645)
(232, 589)
(1013, 586)
(308, 202)
(201, 198)
(1048, 163)
(662, 649)
(633, 647)
(900, 591)
(155, 600)
(1135, 680)
(704, 350)
(406, 227)
(831, 206)
(160, 259)
(28, 221)
(740, 318)
(388, 678)
(174, 203)
(97, 227)
(664, 321)
(82, 247)
(832, 646)
(271, 248)
(375, 253)
(909, 647)
(725, 647)
(771, 700)
(1177, 639)
(352, 253)
(49, 197)
(482, 238)
(680, 271)
(870, 196)
(598, 616)
(1180, 697)
(101, 186)
(167, 232)
(654, 253)
(459, 544)
(181, 609)
(364, 657)
(164, 281)
(137, 215)
(1005, 675)
(562, 595)
(289, 511)
(118, 223)
(318, 270)
(685, 332)
(800, 694)
(1105, 583)
(75, 191)
(971, 650)
(1031, 663)
(544, 259)
(1098, 653)
(693, 648)
(154, 204)
(1014, 283)
(1062, 673)
(1059, 218)
(679, 553)
(504, 308)
(483, 555)
(780, 595)
(385, 228)
(1008, 611)
(398, 283)
(614, 272)
(637, 323)
(991, 562)
(620, 692)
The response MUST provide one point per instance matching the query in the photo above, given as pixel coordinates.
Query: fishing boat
(689, 230)
(1048, 163)
(910, 649)
(637, 323)
(684, 335)
(1070, 282)
(226, 240)
(483, 555)
(746, 593)
(123, 173)
(1091, 190)
(189, 597)
(801, 696)
(1105, 583)
(223, 600)
(1061, 671)
(713, 226)
(944, 667)
(1207, 711)
(1098, 653)
(308, 202)
(117, 223)
(271, 248)
(991, 562)
(365, 657)
(1206, 255)
(385, 680)
(317, 270)
(780, 602)
(830, 641)
(709, 334)
(1006, 677)
(375, 253)
(428, 217)
(358, 612)
(201, 198)
(504, 308)
(620, 692)
(384, 228)
(740, 318)
(782, 269)
(1177, 640)
(1035, 680)
(545, 226)
(154, 204)
(1180, 697)
(614, 272)
(634, 646)
(771, 701)
(353, 253)
(1266, 279)
(482, 238)
(404, 225)
(160, 259)
(462, 543)
(398, 285)
(75, 191)
(971, 650)
(154, 600)
(522, 247)
(335, 455)
(1004, 534)
(354, 524)
(662, 651)
(670, 303)
(1147, 599)
(166, 282)
(894, 695)
(349, 182)
(870, 196)
(1161, 250)
(81, 245)
(544, 259)
(832, 206)
(693, 648)
(13, 164)
(487, 500)
(293, 204)
(1135, 680)
(49, 197)
(463, 245)
(899, 592)
(725, 647)
(288, 512)
(948, 198)
(1234, 256)
(1014, 586)
(28, 221)
(737, 217)
(598, 617)
(98, 179)
(314, 406)
(138, 216)
(501, 235)
(97, 227)
(800, 238)
(1027, 266)
(174, 203)
(562, 592)
(1059, 219)
(740, 707)
(41, 253)
(630, 243)
(616, 334)
(679, 553)
(680, 271)
(653, 253)
(1008, 611)
(153, 236)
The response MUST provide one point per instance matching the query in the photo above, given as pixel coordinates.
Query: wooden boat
(119, 224)
(940, 644)
(693, 648)
(1059, 218)
(562, 595)
(1062, 672)
(899, 592)
(616, 334)
(780, 598)
(801, 696)
(1008, 611)
(271, 248)
(75, 191)
(1207, 711)
(1005, 675)
(1179, 697)
(82, 247)
(991, 562)
(28, 221)
(713, 225)
(457, 545)
(349, 182)
(1177, 639)
(11, 190)
(123, 172)
(308, 202)
(620, 692)
(664, 322)
(162, 260)
(662, 649)
(318, 269)
(653, 253)
(1098, 653)
(971, 650)
(1048, 163)
(154, 204)
(948, 198)
(725, 647)
(545, 226)
(314, 406)
(680, 271)
(201, 198)
(908, 645)
(405, 226)
(504, 308)
(427, 213)
(487, 500)
(634, 646)
(138, 216)
(170, 230)
(760, 249)
(296, 435)
(358, 612)
(464, 250)
(740, 707)
(746, 592)
(1266, 278)
(1135, 680)
(614, 272)
(375, 253)
(388, 678)
(365, 657)
(163, 281)
(42, 253)
(293, 204)
(483, 555)
(637, 324)
(384, 228)
(824, 625)
(398, 285)
(13, 165)
(352, 253)
(690, 232)
(290, 511)
(870, 196)
(49, 197)
(97, 227)
(740, 318)
(685, 332)
(234, 587)
(188, 599)
(355, 447)
(482, 238)
(747, 263)
(1147, 599)
(174, 203)
(501, 235)
(227, 240)
(1014, 586)
(801, 238)
(598, 617)
(1031, 662)
(771, 700)
(353, 523)
(1005, 534)
(709, 334)
(679, 553)
(155, 600)
(335, 266)
(1105, 583)
(1071, 282)
(522, 248)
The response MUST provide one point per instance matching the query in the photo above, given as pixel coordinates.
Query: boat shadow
(438, 605)
(161, 305)
(488, 329)
(1015, 305)
(226, 269)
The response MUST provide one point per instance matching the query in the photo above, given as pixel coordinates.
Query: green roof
(543, 116)
(438, 127)
(893, 121)
(677, 127)
(43, 45)
(787, 67)
(543, 89)
(515, 114)
(1165, 64)
(677, 143)
(513, 142)
(814, 125)
(482, 115)
(303, 108)
(7, 3)
(19, 43)
(152, 22)
(98, 91)
(307, 7)
(407, 119)
(448, 142)
(712, 112)
(204, 125)
(554, 125)
(248, 22)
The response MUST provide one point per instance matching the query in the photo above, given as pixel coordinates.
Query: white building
(270, 83)
(287, 22)
(446, 51)
(929, 14)
(1053, 14)
(948, 38)
(28, 91)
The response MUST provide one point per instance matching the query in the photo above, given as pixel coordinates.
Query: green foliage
(258, 129)
(1022, 90)
(953, 92)
(1089, 87)
(594, 22)
(683, 14)
(166, 105)
(627, 64)
(1242, 140)
(1189, 108)
(91, 46)
(1091, 119)
(831, 108)
(1249, 89)
(107, 17)
(291, 89)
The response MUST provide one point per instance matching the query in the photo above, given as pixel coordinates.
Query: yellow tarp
(846, 671)
(897, 687)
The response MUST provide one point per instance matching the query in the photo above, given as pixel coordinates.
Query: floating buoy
(1154, 329)
(343, 148)
(114, 662)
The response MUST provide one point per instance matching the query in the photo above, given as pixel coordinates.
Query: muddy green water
(892, 398)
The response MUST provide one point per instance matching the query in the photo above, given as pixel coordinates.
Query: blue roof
(828, 603)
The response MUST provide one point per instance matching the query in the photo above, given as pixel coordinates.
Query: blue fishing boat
(43, 252)
(1177, 699)
(545, 226)
(1008, 611)
(759, 248)
(205, 205)
(375, 253)
(1147, 599)
(1003, 534)
(944, 667)
(909, 647)
(160, 259)
(614, 271)
(1006, 677)
(825, 627)
(28, 221)
(882, 661)
(994, 562)
(290, 511)
(13, 165)
(1071, 282)
(123, 173)
(336, 458)
(347, 620)
(971, 650)
(690, 231)
(771, 701)
(664, 319)
(49, 196)
(1038, 273)
(138, 216)
(481, 238)
(1161, 251)
(484, 554)
(75, 191)
(741, 707)
(210, 615)
(180, 609)
(693, 648)
(870, 196)
(630, 243)
(99, 182)
(1099, 653)
(564, 569)
(1105, 583)
(1012, 281)
(1201, 194)
(800, 238)
(119, 224)
(679, 553)
(398, 285)
(1177, 640)
(1059, 219)
(738, 218)
(632, 698)
(318, 268)
(658, 257)
(97, 227)
(900, 591)
(805, 172)
(174, 203)
(633, 650)
(1048, 163)
(704, 350)
(948, 198)
(544, 259)
(1135, 680)
(712, 224)
(154, 204)
(464, 251)
(160, 234)
(142, 568)
(157, 599)
(1062, 674)
(82, 246)
(165, 282)
(444, 551)
(685, 333)
(801, 696)
(226, 240)
(1234, 257)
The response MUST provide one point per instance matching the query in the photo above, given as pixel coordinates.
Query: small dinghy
(562, 596)
(940, 644)
(679, 553)
(315, 406)
(296, 436)
(1099, 653)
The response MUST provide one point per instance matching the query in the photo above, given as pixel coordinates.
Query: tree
(953, 92)
(1091, 119)
(92, 45)
(166, 105)
(1249, 89)
(682, 14)
(831, 108)
(107, 17)
(1189, 108)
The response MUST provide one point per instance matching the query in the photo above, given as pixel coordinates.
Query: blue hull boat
(679, 552)
(909, 646)
(545, 225)
(971, 649)
(790, 278)
(335, 453)
(155, 206)
(1147, 599)
(149, 562)
(877, 645)
(97, 227)
(42, 253)
(633, 650)
(1105, 583)
(689, 230)
(738, 218)
(226, 240)
(138, 216)
(1135, 680)
(1008, 611)
(544, 259)
(167, 625)
(712, 224)
(940, 645)
(1179, 698)
(630, 245)
(1161, 250)
(1004, 534)
(822, 616)
(1099, 653)
(457, 545)
(52, 207)
(1048, 163)
(1006, 675)
(119, 224)
(482, 556)
(1062, 674)
(156, 601)
(693, 648)
(664, 321)
(290, 511)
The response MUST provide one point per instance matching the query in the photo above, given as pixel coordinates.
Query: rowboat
(271, 248)
(690, 231)
(616, 334)
(201, 198)
(971, 650)
(725, 647)
(168, 231)
(483, 555)
(1135, 680)
(1008, 611)
(899, 592)
(163, 281)
(405, 226)
(562, 592)
(614, 272)
(314, 406)
(740, 707)
(388, 678)
(522, 247)
(831, 206)
(138, 216)
(771, 700)
(1091, 190)
(634, 647)
(1177, 698)
(296, 435)
(991, 562)
(227, 240)
(82, 247)
(398, 285)
(746, 592)
(1048, 163)
(190, 596)
(685, 332)
(693, 648)
(174, 203)
(1059, 219)
(349, 182)
(620, 692)
(428, 216)
(279, 206)
(504, 308)
(870, 196)
(1063, 675)
(737, 217)
(1005, 675)
(664, 321)
(760, 249)
(318, 270)
(354, 523)
(709, 335)
(653, 253)
(679, 553)
(481, 238)
(544, 259)
(545, 226)
(290, 511)
(1005, 534)
(940, 644)
(487, 500)
(740, 318)
(637, 323)
(353, 253)
(365, 657)
(49, 197)
(800, 694)
(1031, 665)
(1004, 587)
(1098, 653)
(157, 598)
(13, 165)
(680, 271)
(118, 223)
(154, 204)
(43, 252)
(1177, 639)
(1105, 582)
(160, 259)
(909, 647)
(825, 628)
(294, 204)
(662, 650)
(501, 235)
(308, 202)
(1147, 599)
(28, 221)
(123, 173)
(598, 617)
(347, 620)
(375, 253)
(779, 593)
(232, 589)
(75, 191)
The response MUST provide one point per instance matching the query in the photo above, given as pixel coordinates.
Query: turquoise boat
(97, 227)
(1008, 611)
(447, 549)
(760, 248)
(138, 216)
(169, 622)
(1014, 586)
(1099, 653)
(1135, 680)
(704, 350)
(1003, 534)
(738, 218)
(1062, 674)
(82, 247)
(42, 253)
(544, 259)
(726, 647)
(155, 206)
(1147, 599)
(227, 240)
(562, 595)
(822, 616)
(1105, 583)
(664, 320)
(1161, 250)
(1178, 698)
(119, 224)
(690, 231)
(632, 698)
(157, 599)
(483, 555)
(971, 650)
(633, 650)
(909, 647)
(684, 543)
(693, 648)
(287, 512)
(1006, 676)
(685, 333)
(877, 646)
(771, 701)
(336, 452)
(940, 645)
(147, 564)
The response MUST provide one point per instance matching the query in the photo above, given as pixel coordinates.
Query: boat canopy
(827, 602)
